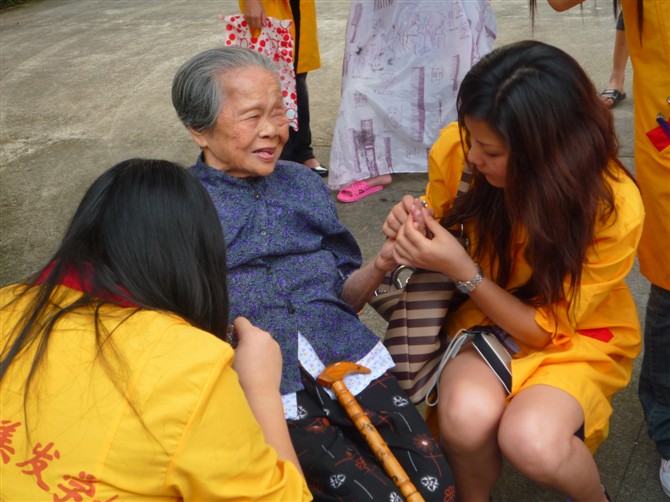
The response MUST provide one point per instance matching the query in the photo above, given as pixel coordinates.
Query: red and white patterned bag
(274, 41)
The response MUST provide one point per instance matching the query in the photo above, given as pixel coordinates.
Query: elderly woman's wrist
(383, 265)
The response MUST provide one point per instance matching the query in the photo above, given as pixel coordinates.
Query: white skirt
(402, 67)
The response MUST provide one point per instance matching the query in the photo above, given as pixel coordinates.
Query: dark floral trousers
(338, 463)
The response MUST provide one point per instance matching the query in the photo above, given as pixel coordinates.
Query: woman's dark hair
(146, 233)
(563, 149)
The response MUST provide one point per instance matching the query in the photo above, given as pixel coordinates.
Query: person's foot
(664, 473)
(612, 96)
(382, 179)
(362, 188)
(316, 166)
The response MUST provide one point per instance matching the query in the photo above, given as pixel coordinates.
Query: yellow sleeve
(223, 455)
(603, 295)
(445, 165)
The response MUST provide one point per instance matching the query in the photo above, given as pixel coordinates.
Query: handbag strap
(466, 177)
(455, 345)
(464, 185)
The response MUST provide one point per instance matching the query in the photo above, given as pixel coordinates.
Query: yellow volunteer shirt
(190, 436)
(650, 57)
(592, 351)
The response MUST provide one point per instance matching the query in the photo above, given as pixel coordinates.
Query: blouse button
(263, 232)
(258, 196)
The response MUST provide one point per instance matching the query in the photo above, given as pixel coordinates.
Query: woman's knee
(525, 446)
(468, 416)
(537, 432)
(534, 447)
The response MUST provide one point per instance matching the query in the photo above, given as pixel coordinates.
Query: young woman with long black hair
(554, 220)
(115, 379)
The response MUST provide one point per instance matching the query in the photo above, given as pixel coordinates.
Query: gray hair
(196, 87)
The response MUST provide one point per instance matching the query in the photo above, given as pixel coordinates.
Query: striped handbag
(414, 335)
(415, 303)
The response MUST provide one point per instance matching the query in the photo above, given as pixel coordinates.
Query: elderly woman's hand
(396, 218)
(384, 259)
(439, 251)
(254, 14)
(258, 360)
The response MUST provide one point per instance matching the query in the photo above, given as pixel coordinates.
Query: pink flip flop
(357, 191)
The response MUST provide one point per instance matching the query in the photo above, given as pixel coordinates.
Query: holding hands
(398, 215)
(420, 241)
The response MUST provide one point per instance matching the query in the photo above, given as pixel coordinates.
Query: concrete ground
(86, 84)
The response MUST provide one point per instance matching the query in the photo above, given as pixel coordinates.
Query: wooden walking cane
(332, 377)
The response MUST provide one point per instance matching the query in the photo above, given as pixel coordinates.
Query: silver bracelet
(468, 287)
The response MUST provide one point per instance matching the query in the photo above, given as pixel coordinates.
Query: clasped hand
(420, 241)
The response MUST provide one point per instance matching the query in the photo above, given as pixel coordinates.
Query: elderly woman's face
(251, 129)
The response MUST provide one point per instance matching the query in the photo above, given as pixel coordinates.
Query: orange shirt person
(117, 375)
(553, 220)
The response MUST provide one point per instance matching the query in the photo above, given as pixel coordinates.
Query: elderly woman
(296, 272)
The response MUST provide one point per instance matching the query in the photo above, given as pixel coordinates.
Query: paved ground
(85, 84)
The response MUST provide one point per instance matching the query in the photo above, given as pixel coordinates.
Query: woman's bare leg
(619, 62)
(537, 436)
(472, 402)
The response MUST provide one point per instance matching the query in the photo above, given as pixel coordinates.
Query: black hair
(563, 157)
(146, 233)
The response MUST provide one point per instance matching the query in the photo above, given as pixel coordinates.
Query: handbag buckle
(400, 276)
